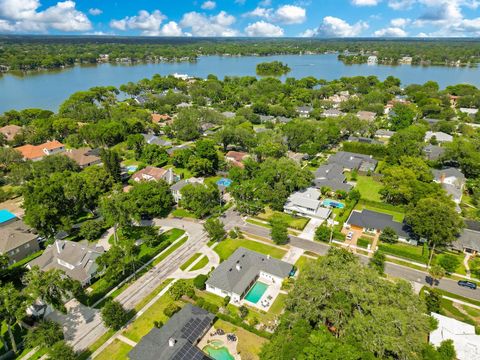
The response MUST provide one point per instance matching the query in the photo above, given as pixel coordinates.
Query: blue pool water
(333, 204)
(224, 182)
(132, 168)
(6, 215)
(256, 292)
(217, 351)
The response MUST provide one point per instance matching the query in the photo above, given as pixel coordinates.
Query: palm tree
(436, 272)
(13, 305)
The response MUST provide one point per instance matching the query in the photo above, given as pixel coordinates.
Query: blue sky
(272, 18)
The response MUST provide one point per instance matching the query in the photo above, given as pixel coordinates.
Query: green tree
(114, 315)
(215, 229)
(180, 288)
(425, 218)
(148, 199)
(12, 309)
(433, 300)
(111, 163)
(279, 230)
(377, 262)
(403, 117)
(322, 233)
(449, 263)
(116, 212)
(61, 351)
(200, 199)
(187, 125)
(389, 235)
(44, 335)
(436, 273)
(154, 155)
(92, 230)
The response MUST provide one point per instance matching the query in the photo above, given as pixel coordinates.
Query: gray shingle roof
(186, 328)
(448, 172)
(14, 234)
(468, 239)
(433, 152)
(369, 219)
(227, 277)
(349, 160)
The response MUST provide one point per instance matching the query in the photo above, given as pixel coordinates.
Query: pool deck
(264, 303)
(230, 345)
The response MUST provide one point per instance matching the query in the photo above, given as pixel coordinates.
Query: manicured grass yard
(201, 264)
(302, 262)
(142, 326)
(190, 261)
(227, 247)
(397, 212)
(411, 252)
(278, 305)
(182, 213)
(295, 222)
(363, 242)
(249, 344)
(369, 188)
(117, 350)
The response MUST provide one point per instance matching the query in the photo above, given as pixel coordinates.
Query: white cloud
(399, 22)
(95, 11)
(23, 16)
(366, 2)
(308, 33)
(150, 24)
(265, 3)
(390, 32)
(401, 4)
(209, 5)
(214, 25)
(263, 28)
(336, 27)
(285, 14)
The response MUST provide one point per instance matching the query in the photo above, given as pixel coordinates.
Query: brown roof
(236, 155)
(156, 118)
(37, 151)
(10, 131)
(82, 156)
(149, 173)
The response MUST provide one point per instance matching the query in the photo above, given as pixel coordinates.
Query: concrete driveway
(309, 230)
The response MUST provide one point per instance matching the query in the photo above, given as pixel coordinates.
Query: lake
(48, 90)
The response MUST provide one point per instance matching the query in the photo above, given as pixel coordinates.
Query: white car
(350, 235)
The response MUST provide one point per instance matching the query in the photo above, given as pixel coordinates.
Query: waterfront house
(38, 152)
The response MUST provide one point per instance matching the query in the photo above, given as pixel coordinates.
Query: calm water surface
(48, 90)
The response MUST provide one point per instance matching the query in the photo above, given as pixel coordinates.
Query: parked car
(350, 235)
(468, 284)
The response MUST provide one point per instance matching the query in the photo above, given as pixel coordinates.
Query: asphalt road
(232, 219)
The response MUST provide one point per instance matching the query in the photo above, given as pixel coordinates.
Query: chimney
(442, 178)
(171, 342)
(238, 267)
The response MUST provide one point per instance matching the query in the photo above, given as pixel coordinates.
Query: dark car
(468, 284)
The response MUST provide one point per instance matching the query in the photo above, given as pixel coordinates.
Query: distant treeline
(27, 53)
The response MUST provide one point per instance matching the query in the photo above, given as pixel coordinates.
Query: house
(431, 122)
(353, 161)
(17, 241)
(236, 158)
(468, 242)
(441, 137)
(452, 181)
(38, 152)
(229, 114)
(406, 60)
(266, 118)
(373, 223)
(366, 116)
(153, 139)
(304, 111)
(152, 173)
(177, 339)
(84, 157)
(372, 60)
(140, 100)
(235, 276)
(469, 111)
(364, 140)
(283, 120)
(332, 177)
(297, 157)
(306, 202)
(332, 113)
(433, 152)
(384, 134)
(183, 105)
(465, 340)
(176, 188)
(77, 260)
(171, 150)
(10, 131)
(161, 118)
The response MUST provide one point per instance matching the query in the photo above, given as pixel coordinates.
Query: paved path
(394, 270)
(309, 230)
(103, 241)
(293, 254)
(126, 340)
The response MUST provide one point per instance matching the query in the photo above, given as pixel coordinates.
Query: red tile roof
(149, 173)
(33, 152)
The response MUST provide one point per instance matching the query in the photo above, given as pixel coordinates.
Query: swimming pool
(256, 292)
(333, 204)
(224, 182)
(132, 168)
(218, 351)
(6, 215)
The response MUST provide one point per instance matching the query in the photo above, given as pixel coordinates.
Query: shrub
(243, 310)
(432, 299)
(322, 233)
(171, 309)
(199, 281)
(226, 300)
(158, 324)
(389, 236)
(233, 234)
(92, 230)
(449, 263)
(45, 334)
(61, 351)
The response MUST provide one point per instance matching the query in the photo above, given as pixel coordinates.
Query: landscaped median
(227, 247)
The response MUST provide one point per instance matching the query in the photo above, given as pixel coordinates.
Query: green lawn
(369, 188)
(117, 350)
(278, 305)
(397, 212)
(460, 268)
(143, 324)
(182, 213)
(302, 262)
(190, 261)
(407, 251)
(227, 247)
(295, 222)
(150, 296)
(201, 264)
(363, 242)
